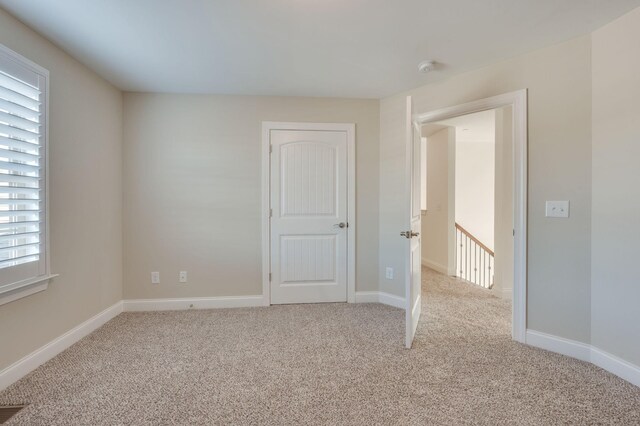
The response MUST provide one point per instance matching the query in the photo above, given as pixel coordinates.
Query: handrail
(474, 239)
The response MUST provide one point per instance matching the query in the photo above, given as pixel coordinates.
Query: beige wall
(436, 222)
(559, 83)
(192, 183)
(615, 297)
(475, 189)
(85, 143)
(503, 269)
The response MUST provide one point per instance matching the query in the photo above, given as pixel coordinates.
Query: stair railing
(474, 260)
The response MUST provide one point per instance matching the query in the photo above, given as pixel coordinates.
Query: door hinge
(269, 276)
(270, 149)
(270, 212)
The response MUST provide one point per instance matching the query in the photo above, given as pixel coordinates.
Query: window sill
(12, 292)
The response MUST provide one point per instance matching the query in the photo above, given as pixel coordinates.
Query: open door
(413, 257)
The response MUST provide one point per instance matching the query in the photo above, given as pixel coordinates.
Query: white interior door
(413, 259)
(309, 216)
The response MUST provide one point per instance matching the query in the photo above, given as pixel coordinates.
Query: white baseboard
(507, 293)
(572, 348)
(503, 293)
(380, 297)
(144, 305)
(24, 366)
(392, 300)
(443, 269)
(585, 352)
(367, 297)
(615, 365)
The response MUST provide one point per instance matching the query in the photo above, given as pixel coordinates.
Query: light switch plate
(557, 209)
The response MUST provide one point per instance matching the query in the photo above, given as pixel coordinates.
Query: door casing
(518, 101)
(349, 129)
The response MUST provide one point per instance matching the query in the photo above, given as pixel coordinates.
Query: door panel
(308, 259)
(308, 179)
(413, 259)
(309, 201)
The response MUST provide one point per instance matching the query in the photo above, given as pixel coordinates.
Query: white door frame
(350, 129)
(518, 101)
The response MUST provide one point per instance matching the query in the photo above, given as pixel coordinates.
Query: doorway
(309, 204)
(467, 212)
(517, 102)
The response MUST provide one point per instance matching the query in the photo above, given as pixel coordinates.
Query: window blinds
(21, 168)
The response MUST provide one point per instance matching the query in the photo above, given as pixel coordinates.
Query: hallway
(454, 309)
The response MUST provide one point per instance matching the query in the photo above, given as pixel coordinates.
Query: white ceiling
(347, 48)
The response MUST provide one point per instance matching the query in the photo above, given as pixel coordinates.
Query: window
(24, 265)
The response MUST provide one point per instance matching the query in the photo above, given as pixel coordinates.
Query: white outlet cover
(155, 278)
(557, 209)
(389, 273)
(183, 276)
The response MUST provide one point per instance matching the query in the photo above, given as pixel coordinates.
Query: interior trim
(585, 352)
(517, 100)
(27, 364)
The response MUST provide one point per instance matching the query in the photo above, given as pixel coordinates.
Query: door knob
(409, 234)
(340, 225)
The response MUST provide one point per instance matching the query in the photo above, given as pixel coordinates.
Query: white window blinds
(22, 171)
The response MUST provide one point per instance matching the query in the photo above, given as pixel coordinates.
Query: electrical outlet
(557, 209)
(155, 278)
(389, 273)
(183, 276)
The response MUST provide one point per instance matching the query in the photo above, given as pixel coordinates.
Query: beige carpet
(321, 364)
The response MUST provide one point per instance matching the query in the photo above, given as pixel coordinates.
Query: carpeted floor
(321, 364)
